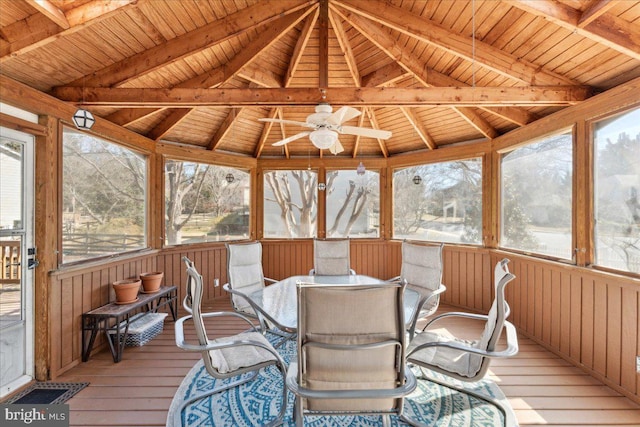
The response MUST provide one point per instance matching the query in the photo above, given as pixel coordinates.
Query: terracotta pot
(151, 281)
(126, 290)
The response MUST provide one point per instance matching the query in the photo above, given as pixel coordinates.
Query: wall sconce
(321, 186)
(230, 178)
(83, 119)
(360, 170)
(417, 179)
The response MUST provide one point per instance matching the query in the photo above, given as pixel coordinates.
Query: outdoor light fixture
(83, 119)
(360, 170)
(321, 186)
(417, 179)
(230, 178)
(323, 138)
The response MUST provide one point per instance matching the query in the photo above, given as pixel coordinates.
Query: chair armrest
(393, 279)
(304, 392)
(510, 350)
(352, 272)
(455, 314)
(267, 279)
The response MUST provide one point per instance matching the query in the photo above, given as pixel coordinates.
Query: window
(104, 192)
(205, 203)
(353, 204)
(617, 192)
(439, 202)
(536, 191)
(290, 203)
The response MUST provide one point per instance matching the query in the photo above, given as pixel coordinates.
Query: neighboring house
(10, 187)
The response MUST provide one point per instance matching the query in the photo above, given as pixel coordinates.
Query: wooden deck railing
(9, 262)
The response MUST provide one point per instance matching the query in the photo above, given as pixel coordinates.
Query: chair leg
(297, 412)
(507, 416)
(283, 409)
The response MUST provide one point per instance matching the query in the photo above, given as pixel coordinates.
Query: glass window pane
(353, 204)
(536, 191)
(290, 203)
(11, 175)
(104, 191)
(205, 203)
(439, 202)
(617, 192)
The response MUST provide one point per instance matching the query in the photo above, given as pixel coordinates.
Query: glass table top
(278, 302)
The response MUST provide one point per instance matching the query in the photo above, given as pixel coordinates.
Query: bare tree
(297, 210)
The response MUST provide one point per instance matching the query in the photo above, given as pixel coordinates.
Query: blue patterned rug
(258, 402)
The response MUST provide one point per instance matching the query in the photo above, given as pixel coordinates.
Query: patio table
(278, 303)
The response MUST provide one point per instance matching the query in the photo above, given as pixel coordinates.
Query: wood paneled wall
(588, 317)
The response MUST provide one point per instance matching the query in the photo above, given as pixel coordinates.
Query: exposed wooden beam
(266, 130)
(345, 45)
(380, 36)
(419, 128)
(443, 96)
(606, 29)
(50, 11)
(300, 46)
(216, 32)
(260, 76)
(176, 116)
(477, 121)
(437, 35)
(226, 72)
(356, 145)
(323, 54)
(22, 38)
(128, 116)
(596, 9)
(374, 123)
(385, 75)
(225, 128)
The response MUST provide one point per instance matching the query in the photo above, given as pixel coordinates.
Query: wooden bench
(112, 317)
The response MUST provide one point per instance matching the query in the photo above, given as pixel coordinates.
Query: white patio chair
(225, 357)
(468, 360)
(331, 258)
(350, 361)
(422, 270)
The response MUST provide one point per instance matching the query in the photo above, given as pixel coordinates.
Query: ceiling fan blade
(287, 122)
(371, 133)
(336, 148)
(291, 138)
(344, 114)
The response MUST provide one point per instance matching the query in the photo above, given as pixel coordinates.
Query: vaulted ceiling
(434, 73)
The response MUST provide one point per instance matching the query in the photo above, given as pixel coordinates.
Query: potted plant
(151, 281)
(126, 290)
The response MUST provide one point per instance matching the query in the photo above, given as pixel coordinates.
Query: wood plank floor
(543, 389)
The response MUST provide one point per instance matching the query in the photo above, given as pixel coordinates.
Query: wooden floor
(543, 389)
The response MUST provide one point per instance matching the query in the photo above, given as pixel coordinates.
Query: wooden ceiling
(434, 73)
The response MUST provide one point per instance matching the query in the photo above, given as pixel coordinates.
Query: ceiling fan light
(323, 138)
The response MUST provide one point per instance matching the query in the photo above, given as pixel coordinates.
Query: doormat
(47, 393)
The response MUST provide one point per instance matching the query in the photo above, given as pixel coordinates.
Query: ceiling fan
(326, 127)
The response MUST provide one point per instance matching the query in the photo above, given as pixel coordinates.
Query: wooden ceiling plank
(191, 42)
(86, 16)
(128, 116)
(266, 130)
(259, 76)
(50, 11)
(443, 96)
(606, 29)
(300, 46)
(371, 115)
(345, 45)
(457, 44)
(419, 128)
(323, 54)
(225, 128)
